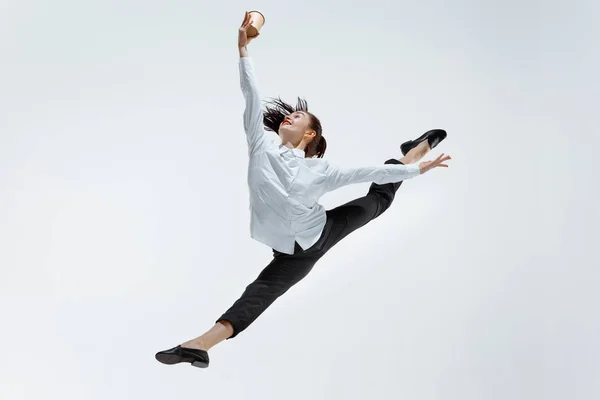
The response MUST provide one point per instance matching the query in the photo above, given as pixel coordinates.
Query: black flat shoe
(176, 355)
(434, 137)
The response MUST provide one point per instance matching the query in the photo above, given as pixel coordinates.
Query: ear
(310, 135)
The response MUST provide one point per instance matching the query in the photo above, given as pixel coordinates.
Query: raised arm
(253, 116)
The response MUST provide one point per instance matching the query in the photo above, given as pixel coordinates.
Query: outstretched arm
(253, 116)
(380, 174)
(387, 173)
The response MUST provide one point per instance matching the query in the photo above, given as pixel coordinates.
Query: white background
(124, 205)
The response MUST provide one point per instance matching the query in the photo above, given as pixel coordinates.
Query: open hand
(438, 162)
(243, 38)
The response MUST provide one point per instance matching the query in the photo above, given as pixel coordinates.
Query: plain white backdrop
(124, 205)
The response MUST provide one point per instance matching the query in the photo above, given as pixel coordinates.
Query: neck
(301, 145)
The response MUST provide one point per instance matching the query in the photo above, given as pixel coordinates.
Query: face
(295, 127)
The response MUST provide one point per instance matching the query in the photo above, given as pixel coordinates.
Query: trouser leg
(284, 271)
(347, 218)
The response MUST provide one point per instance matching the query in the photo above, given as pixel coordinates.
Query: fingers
(245, 26)
(247, 21)
(438, 162)
(442, 157)
(441, 162)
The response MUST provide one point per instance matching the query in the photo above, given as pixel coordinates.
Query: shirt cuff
(413, 169)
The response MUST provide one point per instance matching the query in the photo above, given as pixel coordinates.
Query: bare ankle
(219, 332)
(416, 153)
(197, 343)
(406, 160)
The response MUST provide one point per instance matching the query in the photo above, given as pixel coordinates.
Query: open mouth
(286, 123)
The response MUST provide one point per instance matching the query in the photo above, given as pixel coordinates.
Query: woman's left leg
(348, 217)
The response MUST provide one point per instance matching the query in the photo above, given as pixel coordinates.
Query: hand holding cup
(250, 28)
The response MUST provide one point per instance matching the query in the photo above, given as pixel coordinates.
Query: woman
(286, 178)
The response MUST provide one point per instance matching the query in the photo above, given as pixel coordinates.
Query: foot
(432, 137)
(178, 354)
(416, 153)
(419, 152)
(194, 344)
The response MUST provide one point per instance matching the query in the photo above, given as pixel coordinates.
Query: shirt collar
(298, 152)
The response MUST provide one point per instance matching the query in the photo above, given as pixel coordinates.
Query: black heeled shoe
(176, 355)
(434, 137)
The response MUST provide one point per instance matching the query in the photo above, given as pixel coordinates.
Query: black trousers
(285, 270)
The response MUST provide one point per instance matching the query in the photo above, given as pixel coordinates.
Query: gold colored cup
(258, 20)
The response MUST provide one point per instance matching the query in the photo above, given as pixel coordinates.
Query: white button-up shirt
(285, 187)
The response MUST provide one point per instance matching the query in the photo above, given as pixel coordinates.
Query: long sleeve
(380, 174)
(253, 116)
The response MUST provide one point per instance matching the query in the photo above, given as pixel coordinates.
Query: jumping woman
(286, 178)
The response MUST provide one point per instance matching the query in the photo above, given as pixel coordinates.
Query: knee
(384, 201)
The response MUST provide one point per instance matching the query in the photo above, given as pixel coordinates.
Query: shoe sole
(199, 364)
(168, 359)
(171, 359)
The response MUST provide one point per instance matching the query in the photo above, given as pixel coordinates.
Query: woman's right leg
(215, 335)
(278, 277)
